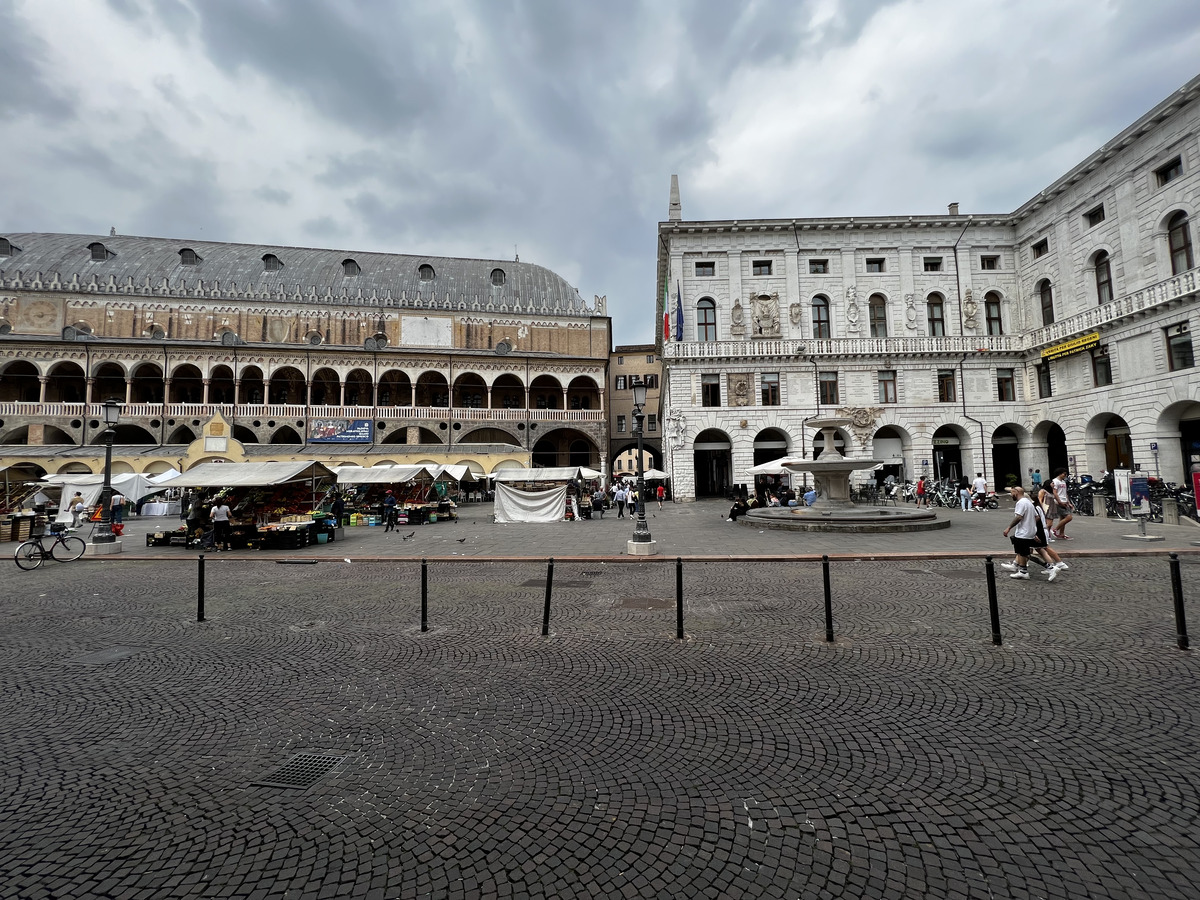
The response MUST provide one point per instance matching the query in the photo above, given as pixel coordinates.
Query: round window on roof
(426, 272)
(498, 276)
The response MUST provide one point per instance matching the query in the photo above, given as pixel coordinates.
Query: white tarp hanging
(513, 505)
(131, 486)
(557, 473)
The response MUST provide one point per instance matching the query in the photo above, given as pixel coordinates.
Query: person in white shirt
(979, 486)
(1024, 532)
(620, 497)
(1059, 486)
(222, 532)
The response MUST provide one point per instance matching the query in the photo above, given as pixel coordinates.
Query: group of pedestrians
(1032, 527)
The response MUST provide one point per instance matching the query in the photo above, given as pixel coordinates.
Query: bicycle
(65, 548)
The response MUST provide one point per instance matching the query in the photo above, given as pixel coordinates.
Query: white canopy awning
(775, 466)
(454, 473)
(555, 473)
(250, 474)
(381, 474)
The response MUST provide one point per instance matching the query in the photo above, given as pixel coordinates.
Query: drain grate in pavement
(107, 655)
(644, 603)
(558, 582)
(300, 771)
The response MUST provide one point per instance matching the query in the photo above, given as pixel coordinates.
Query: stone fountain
(833, 510)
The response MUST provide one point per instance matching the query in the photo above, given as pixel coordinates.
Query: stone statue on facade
(910, 312)
(970, 309)
(852, 309)
(675, 424)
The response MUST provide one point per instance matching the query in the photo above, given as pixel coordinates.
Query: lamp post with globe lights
(642, 544)
(104, 534)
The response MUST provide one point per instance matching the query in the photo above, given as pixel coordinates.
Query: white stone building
(1059, 334)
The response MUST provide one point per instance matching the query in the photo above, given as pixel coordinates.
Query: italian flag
(666, 310)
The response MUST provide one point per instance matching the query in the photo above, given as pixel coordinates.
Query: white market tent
(554, 473)
(129, 484)
(775, 466)
(514, 505)
(651, 474)
(454, 473)
(381, 474)
(250, 474)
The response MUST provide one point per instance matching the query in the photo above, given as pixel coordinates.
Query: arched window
(1046, 294)
(1179, 238)
(820, 316)
(991, 312)
(706, 320)
(188, 257)
(5, 247)
(272, 263)
(877, 313)
(1104, 285)
(99, 251)
(498, 277)
(425, 272)
(350, 267)
(935, 309)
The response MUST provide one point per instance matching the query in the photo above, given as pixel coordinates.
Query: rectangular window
(828, 389)
(1094, 217)
(1041, 248)
(887, 386)
(618, 464)
(876, 264)
(989, 263)
(620, 383)
(1101, 367)
(947, 392)
(933, 263)
(650, 358)
(710, 390)
(651, 381)
(770, 389)
(818, 267)
(762, 267)
(620, 360)
(1170, 171)
(991, 307)
(1006, 386)
(1045, 389)
(652, 422)
(706, 269)
(620, 424)
(1179, 348)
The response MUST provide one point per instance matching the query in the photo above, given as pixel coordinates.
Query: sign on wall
(1073, 346)
(340, 431)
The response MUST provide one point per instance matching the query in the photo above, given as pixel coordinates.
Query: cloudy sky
(551, 127)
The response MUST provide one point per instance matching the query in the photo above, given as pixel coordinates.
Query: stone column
(341, 393)
(204, 398)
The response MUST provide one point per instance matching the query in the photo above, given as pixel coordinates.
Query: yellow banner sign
(1075, 345)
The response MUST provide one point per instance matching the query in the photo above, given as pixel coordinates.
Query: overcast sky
(479, 127)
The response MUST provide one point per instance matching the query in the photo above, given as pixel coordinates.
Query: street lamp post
(641, 544)
(104, 534)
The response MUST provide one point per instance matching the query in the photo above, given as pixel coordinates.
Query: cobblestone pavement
(910, 758)
(683, 529)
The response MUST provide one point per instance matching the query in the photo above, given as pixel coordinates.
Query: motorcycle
(983, 502)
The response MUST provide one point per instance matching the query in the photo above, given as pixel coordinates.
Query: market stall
(541, 495)
(274, 504)
(422, 493)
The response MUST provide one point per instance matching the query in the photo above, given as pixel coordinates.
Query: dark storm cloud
(28, 84)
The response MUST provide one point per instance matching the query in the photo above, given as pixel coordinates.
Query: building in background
(1060, 334)
(344, 357)
(628, 364)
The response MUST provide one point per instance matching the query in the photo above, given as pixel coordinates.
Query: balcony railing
(290, 412)
(1162, 293)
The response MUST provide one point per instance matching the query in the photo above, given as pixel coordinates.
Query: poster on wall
(340, 431)
(1139, 492)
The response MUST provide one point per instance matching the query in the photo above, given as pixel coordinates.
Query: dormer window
(188, 257)
(350, 267)
(272, 263)
(498, 277)
(6, 247)
(99, 252)
(426, 272)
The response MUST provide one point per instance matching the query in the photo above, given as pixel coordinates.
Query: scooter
(981, 502)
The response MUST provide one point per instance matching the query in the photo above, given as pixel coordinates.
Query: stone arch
(583, 393)
(492, 434)
(953, 453)
(565, 447)
(360, 388)
(252, 387)
(470, 391)
(1112, 432)
(432, 390)
(324, 387)
(395, 389)
(181, 435)
(245, 435)
(286, 434)
(108, 382)
(220, 385)
(545, 392)
(712, 463)
(770, 444)
(1008, 440)
(146, 384)
(187, 384)
(67, 383)
(892, 446)
(19, 382)
(508, 392)
(287, 387)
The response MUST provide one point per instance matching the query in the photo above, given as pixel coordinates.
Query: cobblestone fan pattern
(911, 758)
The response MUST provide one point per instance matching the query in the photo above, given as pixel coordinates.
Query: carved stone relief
(796, 313)
(737, 317)
(862, 420)
(765, 311)
(601, 304)
(970, 309)
(739, 390)
(910, 312)
(852, 315)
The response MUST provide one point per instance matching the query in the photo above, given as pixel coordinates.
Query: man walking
(659, 495)
(222, 532)
(979, 485)
(1059, 486)
(1024, 532)
(620, 497)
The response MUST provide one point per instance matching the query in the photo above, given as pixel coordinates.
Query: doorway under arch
(712, 460)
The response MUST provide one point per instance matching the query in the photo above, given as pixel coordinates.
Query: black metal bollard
(424, 595)
(679, 598)
(993, 606)
(200, 590)
(1181, 635)
(546, 608)
(828, 600)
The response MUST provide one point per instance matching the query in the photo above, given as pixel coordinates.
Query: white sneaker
(1061, 565)
(1020, 574)
(1051, 573)
(1010, 567)
(729, 520)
